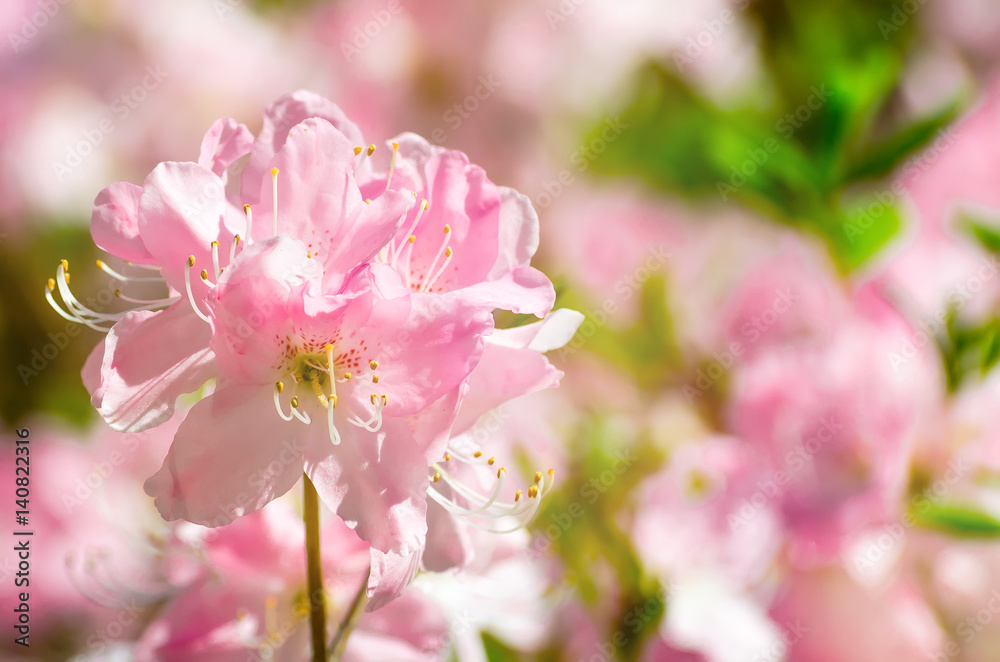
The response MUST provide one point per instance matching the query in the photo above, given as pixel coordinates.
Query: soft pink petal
(250, 309)
(460, 196)
(182, 211)
(448, 542)
(280, 117)
(231, 456)
(91, 372)
(410, 629)
(525, 290)
(114, 223)
(319, 201)
(426, 345)
(518, 232)
(150, 359)
(375, 481)
(225, 142)
(553, 332)
(390, 574)
(504, 373)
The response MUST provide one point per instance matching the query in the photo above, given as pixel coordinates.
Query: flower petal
(525, 290)
(280, 117)
(250, 309)
(231, 456)
(448, 542)
(319, 201)
(225, 142)
(390, 574)
(114, 223)
(503, 374)
(518, 232)
(375, 481)
(411, 629)
(184, 209)
(553, 332)
(425, 344)
(150, 359)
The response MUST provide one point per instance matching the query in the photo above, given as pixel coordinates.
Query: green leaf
(986, 234)
(956, 520)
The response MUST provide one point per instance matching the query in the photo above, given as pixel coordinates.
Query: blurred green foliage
(829, 130)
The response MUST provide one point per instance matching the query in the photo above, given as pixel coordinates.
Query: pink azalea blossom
(299, 295)
(247, 597)
(838, 421)
(94, 570)
(825, 615)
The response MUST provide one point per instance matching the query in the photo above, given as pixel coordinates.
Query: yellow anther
(412, 238)
(447, 229)
(374, 398)
(328, 348)
(436, 477)
(333, 400)
(100, 264)
(309, 255)
(491, 461)
(358, 150)
(532, 491)
(500, 471)
(371, 149)
(66, 277)
(395, 145)
(477, 454)
(280, 386)
(274, 172)
(373, 364)
(191, 260)
(447, 252)
(237, 237)
(447, 456)
(538, 477)
(118, 292)
(52, 284)
(295, 403)
(246, 209)
(517, 496)
(215, 244)
(374, 379)
(204, 274)
(347, 375)
(65, 265)
(552, 473)
(385, 399)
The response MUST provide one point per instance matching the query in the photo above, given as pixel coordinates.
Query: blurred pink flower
(825, 615)
(838, 421)
(96, 540)
(248, 598)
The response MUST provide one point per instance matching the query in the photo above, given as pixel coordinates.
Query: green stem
(317, 599)
(339, 643)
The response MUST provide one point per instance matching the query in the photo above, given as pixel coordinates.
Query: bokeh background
(778, 435)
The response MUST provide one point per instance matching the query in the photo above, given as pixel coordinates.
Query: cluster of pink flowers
(335, 313)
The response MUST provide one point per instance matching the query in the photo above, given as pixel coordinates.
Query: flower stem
(339, 643)
(317, 599)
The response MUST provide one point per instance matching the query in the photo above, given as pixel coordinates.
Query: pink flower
(248, 598)
(467, 236)
(837, 421)
(300, 298)
(825, 615)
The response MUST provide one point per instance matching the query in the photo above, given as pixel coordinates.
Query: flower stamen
(274, 191)
(187, 287)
